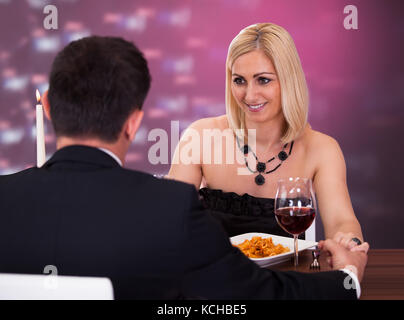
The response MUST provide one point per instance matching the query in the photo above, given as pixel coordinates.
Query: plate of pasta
(267, 249)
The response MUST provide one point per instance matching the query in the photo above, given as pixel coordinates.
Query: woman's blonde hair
(278, 46)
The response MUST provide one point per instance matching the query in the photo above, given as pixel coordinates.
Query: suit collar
(113, 155)
(82, 154)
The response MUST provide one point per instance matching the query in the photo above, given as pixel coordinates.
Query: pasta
(259, 247)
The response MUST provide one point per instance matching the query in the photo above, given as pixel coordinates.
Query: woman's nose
(251, 95)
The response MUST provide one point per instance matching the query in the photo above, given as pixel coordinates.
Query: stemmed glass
(295, 207)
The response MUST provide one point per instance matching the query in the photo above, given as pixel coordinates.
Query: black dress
(242, 214)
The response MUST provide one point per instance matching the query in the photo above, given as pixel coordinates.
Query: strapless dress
(240, 214)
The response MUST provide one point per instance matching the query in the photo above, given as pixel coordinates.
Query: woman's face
(255, 87)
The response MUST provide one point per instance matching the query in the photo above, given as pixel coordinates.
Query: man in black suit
(88, 216)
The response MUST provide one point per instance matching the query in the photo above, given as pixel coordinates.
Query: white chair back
(50, 287)
(310, 233)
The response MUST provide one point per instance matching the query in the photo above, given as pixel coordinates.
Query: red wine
(295, 220)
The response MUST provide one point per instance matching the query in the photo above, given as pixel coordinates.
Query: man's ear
(46, 105)
(133, 124)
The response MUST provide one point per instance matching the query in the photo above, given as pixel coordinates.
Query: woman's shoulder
(321, 146)
(219, 122)
(315, 139)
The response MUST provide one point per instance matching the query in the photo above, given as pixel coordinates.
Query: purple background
(355, 78)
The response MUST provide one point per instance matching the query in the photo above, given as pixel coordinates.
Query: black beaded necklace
(261, 166)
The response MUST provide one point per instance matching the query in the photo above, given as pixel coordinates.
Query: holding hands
(350, 241)
(341, 257)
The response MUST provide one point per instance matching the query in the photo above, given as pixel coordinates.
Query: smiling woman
(267, 100)
(269, 50)
(257, 95)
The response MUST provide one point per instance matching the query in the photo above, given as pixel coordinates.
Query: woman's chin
(260, 116)
(265, 114)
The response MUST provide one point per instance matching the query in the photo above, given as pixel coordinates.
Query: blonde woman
(266, 94)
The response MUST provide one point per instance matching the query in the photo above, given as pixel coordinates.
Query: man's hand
(340, 257)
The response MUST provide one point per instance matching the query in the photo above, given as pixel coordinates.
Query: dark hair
(95, 84)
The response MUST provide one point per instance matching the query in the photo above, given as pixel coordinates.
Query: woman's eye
(263, 80)
(238, 80)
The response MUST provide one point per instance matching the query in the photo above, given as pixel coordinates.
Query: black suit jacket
(86, 215)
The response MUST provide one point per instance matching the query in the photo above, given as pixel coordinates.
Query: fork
(315, 265)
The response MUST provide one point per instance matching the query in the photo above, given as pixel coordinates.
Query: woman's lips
(256, 107)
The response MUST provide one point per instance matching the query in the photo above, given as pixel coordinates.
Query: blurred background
(355, 78)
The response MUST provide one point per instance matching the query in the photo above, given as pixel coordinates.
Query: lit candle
(40, 133)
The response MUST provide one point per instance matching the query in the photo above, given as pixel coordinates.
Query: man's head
(96, 84)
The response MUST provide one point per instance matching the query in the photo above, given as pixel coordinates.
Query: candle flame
(38, 96)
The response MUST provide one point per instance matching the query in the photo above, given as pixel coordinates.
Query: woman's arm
(339, 220)
(186, 165)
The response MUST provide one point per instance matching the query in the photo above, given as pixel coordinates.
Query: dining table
(383, 278)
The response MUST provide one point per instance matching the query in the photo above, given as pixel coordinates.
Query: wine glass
(295, 207)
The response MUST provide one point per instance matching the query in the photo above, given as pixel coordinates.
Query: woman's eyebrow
(258, 74)
(255, 75)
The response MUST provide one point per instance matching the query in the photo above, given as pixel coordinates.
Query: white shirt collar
(113, 155)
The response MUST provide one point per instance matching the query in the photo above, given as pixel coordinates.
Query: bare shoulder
(323, 150)
(219, 122)
(320, 141)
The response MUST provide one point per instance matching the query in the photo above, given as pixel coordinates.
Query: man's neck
(115, 147)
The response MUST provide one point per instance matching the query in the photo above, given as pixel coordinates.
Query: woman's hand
(345, 239)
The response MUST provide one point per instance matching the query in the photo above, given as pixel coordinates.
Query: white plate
(285, 241)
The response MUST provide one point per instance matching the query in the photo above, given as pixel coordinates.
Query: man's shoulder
(159, 186)
(127, 176)
(17, 175)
